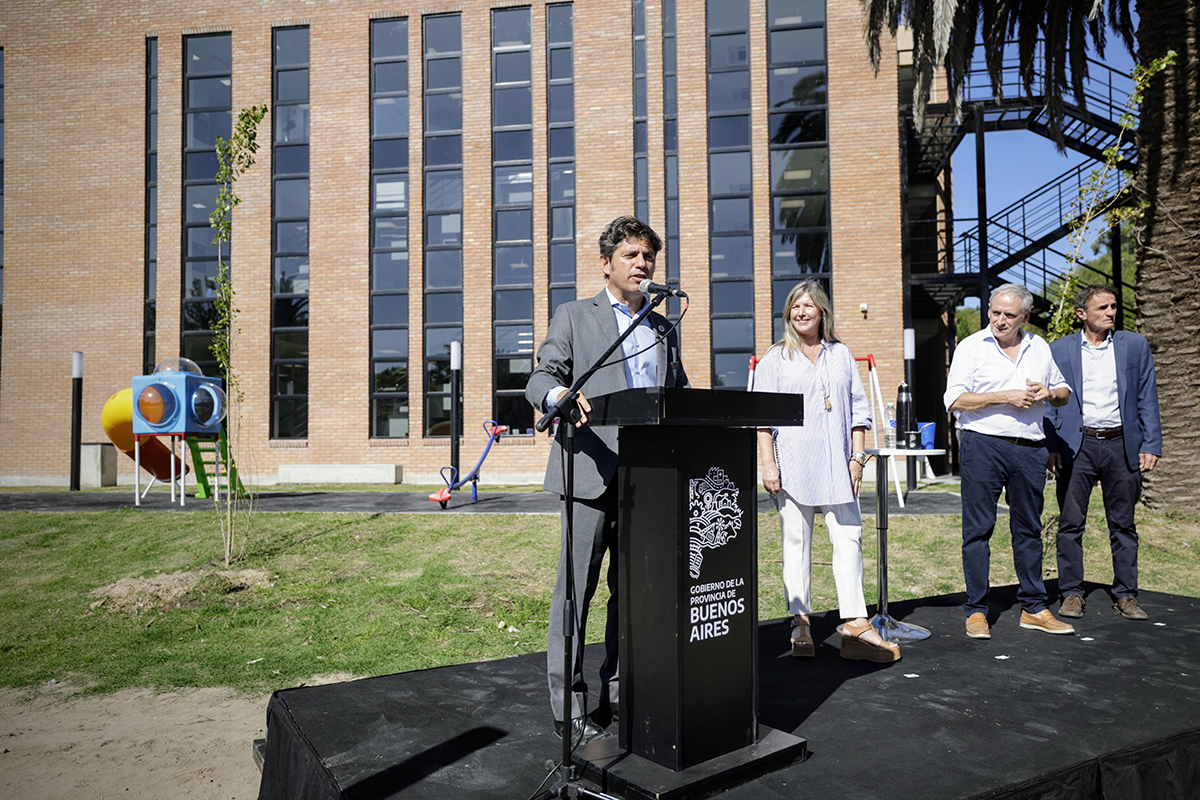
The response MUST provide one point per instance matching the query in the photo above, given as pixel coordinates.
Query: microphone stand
(566, 407)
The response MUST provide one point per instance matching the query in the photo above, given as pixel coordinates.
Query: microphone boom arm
(567, 399)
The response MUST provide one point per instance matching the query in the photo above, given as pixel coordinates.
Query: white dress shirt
(1098, 387)
(980, 365)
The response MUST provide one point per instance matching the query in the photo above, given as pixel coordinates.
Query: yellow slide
(117, 421)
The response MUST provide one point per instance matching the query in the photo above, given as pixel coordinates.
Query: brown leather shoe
(977, 626)
(1128, 608)
(1072, 606)
(1045, 622)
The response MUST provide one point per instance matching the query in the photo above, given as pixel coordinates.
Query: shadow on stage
(1112, 712)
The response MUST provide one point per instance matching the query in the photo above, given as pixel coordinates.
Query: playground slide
(117, 421)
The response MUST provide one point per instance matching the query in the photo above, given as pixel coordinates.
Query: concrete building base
(341, 473)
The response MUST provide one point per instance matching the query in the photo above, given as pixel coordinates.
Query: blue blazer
(1137, 396)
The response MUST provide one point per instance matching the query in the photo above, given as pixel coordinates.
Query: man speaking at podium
(579, 334)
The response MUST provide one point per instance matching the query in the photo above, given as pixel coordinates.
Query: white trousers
(845, 533)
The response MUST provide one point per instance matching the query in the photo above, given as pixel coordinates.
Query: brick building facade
(632, 100)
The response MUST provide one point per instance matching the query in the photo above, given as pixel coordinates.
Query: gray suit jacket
(579, 334)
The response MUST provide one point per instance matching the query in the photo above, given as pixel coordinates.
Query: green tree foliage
(234, 157)
(967, 320)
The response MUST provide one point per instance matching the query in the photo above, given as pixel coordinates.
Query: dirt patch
(176, 589)
(188, 744)
(193, 743)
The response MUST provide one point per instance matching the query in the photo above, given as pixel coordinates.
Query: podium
(687, 581)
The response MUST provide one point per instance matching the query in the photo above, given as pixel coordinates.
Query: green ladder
(207, 457)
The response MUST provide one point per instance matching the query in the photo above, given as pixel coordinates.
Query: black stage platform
(1113, 712)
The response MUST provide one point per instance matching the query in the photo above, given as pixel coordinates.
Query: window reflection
(798, 170)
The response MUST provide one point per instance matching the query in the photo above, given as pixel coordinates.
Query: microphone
(648, 287)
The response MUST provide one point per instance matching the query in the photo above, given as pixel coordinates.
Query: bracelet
(860, 457)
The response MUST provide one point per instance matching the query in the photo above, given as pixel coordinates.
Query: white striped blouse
(814, 458)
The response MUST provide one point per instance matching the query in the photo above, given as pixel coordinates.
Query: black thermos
(906, 423)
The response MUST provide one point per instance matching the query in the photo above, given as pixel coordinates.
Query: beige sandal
(855, 648)
(802, 641)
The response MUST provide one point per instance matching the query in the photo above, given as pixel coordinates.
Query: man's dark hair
(1085, 295)
(623, 228)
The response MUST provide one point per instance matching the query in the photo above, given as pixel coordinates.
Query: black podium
(687, 493)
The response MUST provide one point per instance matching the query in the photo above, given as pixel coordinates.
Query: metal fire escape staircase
(1020, 239)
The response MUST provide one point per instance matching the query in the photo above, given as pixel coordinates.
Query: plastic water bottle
(889, 427)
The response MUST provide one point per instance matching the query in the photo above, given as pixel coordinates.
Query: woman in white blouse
(819, 465)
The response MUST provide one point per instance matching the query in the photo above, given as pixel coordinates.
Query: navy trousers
(1100, 460)
(988, 466)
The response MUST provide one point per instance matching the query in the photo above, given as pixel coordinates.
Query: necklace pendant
(828, 405)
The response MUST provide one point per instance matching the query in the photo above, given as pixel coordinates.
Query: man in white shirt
(1109, 432)
(1000, 381)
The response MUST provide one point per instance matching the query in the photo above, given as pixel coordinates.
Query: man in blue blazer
(1108, 432)
(578, 336)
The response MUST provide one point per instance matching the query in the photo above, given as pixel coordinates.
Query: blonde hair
(790, 343)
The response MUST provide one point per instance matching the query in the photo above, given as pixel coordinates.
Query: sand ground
(137, 743)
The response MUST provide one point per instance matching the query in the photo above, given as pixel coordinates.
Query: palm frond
(1120, 19)
(942, 23)
(876, 15)
(962, 52)
(1051, 40)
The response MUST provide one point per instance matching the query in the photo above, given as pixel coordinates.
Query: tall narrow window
(389, 228)
(512, 227)
(289, 311)
(641, 156)
(731, 245)
(799, 147)
(443, 212)
(669, 264)
(151, 244)
(207, 89)
(560, 103)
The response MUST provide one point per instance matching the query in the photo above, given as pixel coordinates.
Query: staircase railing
(1027, 228)
(1106, 91)
(1090, 128)
(1021, 236)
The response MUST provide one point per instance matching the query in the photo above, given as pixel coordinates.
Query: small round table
(889, 629)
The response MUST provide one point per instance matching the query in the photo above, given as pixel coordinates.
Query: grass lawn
(370, 594)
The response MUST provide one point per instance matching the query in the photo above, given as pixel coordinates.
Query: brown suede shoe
(1045, 622)
(977, 626)
(1072, 606)
(1128, 608)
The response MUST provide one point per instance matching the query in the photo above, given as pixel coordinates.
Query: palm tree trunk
(1168, 255)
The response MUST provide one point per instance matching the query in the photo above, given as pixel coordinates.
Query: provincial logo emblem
(715, 515)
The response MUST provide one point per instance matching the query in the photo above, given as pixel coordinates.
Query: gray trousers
(595, 533)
